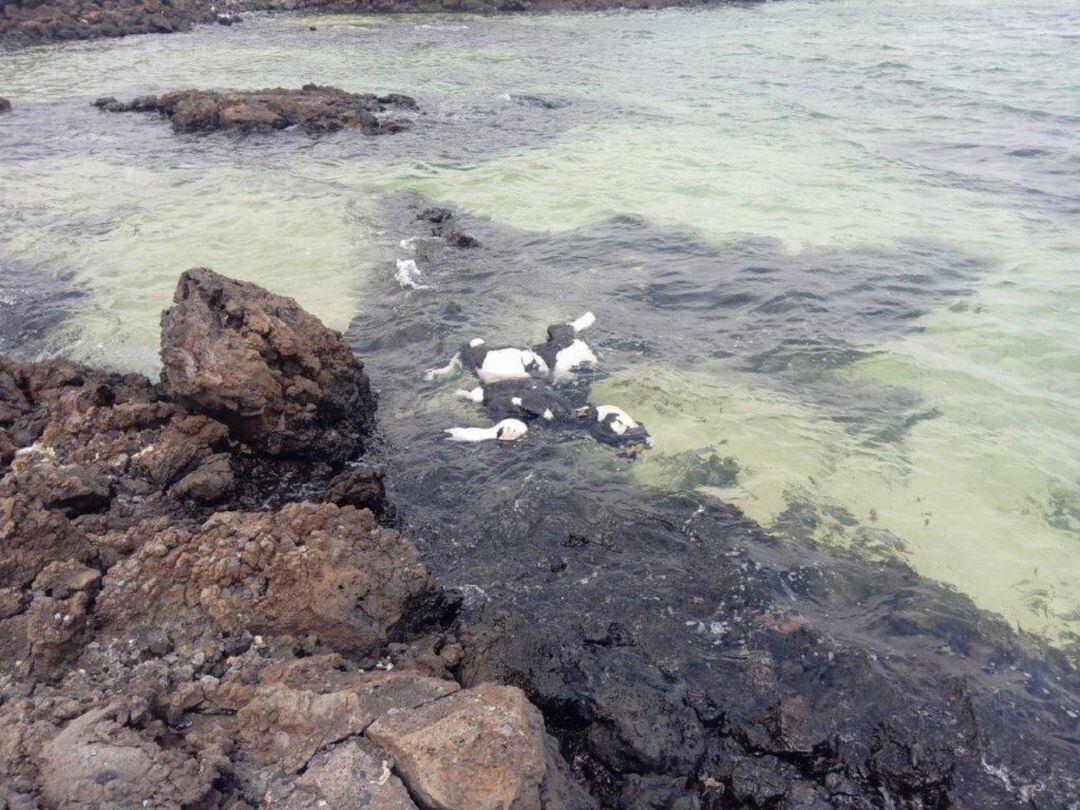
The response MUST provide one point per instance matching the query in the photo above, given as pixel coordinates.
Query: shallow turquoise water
(907, 173)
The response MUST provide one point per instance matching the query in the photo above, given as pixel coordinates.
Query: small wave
(408, 275)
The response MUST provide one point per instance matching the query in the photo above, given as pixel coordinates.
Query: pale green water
(852, 128)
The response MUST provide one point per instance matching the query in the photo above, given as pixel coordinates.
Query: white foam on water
(408, 275)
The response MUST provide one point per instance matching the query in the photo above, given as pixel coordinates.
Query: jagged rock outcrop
(176, 632)
(283, 383)
(314, 108)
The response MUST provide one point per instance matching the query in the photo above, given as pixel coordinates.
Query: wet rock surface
(443, 226)
(315, 109)
(181, 625)
(682, 656)
(685, 659)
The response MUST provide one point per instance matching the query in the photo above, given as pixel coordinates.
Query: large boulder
(288, 720)
(283, 382)
(316, 570)
(478, 749)
(97, 762)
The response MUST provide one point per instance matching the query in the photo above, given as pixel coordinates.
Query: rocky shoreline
(205, 603)
(178, 628)
(37, 22)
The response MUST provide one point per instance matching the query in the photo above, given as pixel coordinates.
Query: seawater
(834, 248)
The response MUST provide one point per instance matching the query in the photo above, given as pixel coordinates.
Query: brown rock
(95, 762)
(72, 489)
(308, 569)
(348, 776)
(286, 726)
(31, 537)
(56, 620)
(60, 580)
(315, 108)
(55, 630)
(283, 382)
(479, 749)
(210, 483)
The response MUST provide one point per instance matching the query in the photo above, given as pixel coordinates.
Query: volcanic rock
(443, 226)
(155, 652)
(316, 569)
(480, 749)
(348, 776)
(97, 762)
(316, 109)
(30, 22)
(284, 383)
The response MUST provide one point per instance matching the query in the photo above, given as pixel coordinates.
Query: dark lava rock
(283, 383)
(738, 671)
(5, 105)
(540, 101)
(316, 109)
(443, 226)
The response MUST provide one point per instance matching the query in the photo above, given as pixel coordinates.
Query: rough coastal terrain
(204, 603)
(177, 631)
(33, 22)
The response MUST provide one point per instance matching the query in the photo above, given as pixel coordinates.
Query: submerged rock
(316, 109)
(5, 105)
(444, 227)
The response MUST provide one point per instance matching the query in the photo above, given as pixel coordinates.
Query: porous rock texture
(32, 22)
(283, 383)
(180, 629)
(500, 760)
(315, 109)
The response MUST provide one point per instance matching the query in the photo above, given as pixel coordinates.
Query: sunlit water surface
(834, 248)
